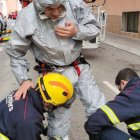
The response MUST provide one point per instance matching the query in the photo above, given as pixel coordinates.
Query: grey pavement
(123, 43)
(78, 116)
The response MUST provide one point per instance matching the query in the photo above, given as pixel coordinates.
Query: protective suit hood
(41, 4)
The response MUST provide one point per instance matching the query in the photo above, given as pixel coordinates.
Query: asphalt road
(105, 61)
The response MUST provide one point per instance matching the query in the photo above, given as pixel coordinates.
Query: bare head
(123, 77)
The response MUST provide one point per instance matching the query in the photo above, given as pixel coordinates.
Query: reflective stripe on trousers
(110, 113)
(3, 137)
(134, 126)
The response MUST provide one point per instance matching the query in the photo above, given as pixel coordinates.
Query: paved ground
(123, 43)
(105, 61)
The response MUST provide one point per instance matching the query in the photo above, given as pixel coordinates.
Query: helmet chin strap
(48, 107)
(37, 88)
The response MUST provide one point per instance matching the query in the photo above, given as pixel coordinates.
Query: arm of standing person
(17, 48)
(86, 27)
(114, 112)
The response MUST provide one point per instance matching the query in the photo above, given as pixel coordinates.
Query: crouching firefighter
(23, 119)
(124, 108)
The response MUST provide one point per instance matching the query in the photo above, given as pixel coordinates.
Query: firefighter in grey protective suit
(54, 30)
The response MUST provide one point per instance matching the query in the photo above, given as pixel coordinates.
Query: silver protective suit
(34, 31)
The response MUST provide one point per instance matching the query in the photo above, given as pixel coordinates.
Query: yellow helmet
(55, 88)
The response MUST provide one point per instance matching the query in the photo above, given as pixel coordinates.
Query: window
(130, 21)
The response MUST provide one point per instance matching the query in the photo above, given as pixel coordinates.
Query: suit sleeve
(110, 114)
(17, 48)
(88, 28)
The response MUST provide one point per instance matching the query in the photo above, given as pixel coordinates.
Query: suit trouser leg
(88, 92)
(59, 122)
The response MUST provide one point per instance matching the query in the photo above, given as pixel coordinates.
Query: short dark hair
(125, 74)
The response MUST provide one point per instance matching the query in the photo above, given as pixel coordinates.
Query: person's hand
(68, 31)
(22, 91)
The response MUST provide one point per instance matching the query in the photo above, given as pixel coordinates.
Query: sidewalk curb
(122, 47)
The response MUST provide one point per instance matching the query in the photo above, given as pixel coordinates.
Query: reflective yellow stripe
(6, 38)
(111, 115)
(3, 137)
(134, 126)
(130, 139)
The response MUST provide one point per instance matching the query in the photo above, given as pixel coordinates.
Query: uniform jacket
(22, 120)
(124, 108)
(35, 31)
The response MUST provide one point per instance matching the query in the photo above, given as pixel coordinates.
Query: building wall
(114, 19)
(13, 5)
(116, 7)
(3, 7)
(8, 6)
